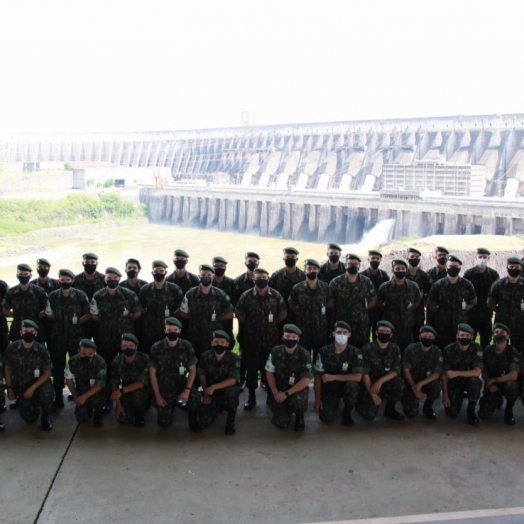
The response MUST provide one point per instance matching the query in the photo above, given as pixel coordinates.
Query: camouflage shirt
(398, 301)
(27, 364)
(125, 373)
(422, 363)
(185, 283)
(500, 364)
(89, 287)
(482, 283)
(327, 275)
(242, 284)
(217, 371)
(139, 285)
(227, 286)
(508, 299)
(86, 376)
(289, 368)
(457, 360)
(49, 286)
(435, 274)
(377, 279)
(379, 362)
(351, 360)
(283, 281)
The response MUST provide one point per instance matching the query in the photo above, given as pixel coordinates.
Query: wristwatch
(286, 393)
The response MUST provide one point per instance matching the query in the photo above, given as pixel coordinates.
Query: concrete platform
(379, 470)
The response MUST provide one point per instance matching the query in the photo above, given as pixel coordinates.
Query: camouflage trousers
(390, 392)
(489, 401)
(222, 400)
(330, 395)
(85, 412)
(166, 414)
(456, 387)
(43, 399)
(481, 323)
(411, 404)
(59, 363)
(135, 403)
(255, 362)
(297, 404)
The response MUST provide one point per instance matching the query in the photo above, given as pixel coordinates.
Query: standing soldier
(399, 298)
(172, 372)
(421, 278)
(86, 375)
(332, 267)
(338, 371)
(450, 299)
(308, 302)
(288, 371)
(227, 285)
(351, 297)
(68, 311)
(130, 382)
(381, 380)
(461, 374)
(218, 371)
(27, 370)
(501, 369)
(259, 311)
(422, 367)
(378, 277)
(482, 277)
(181, 276)
(435, 274)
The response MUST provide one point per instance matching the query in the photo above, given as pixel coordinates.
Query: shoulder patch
(479, 353)
(308, 366)
(440, 359)
(359, 356)
(102, 371)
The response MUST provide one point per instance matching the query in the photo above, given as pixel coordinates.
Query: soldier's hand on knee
(184, 396)
(116, 395)
(207, 399)
(417, 391)
(318, 405)
(160, 402)
(376, 399)
(327, 378)
(80, 401)
(209, 391)
(280, 397)
(451, 374)
(29, 392)
(445, 401)
(119, 410)
(375, 388)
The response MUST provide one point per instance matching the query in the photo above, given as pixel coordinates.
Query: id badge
(75, 320)
(166, 312)
(182, 370)
(270, 317)
(37, 373)
(125, 313)
(91, 382)
(522, 305)
(214, 317)
(464, 305)
(291, 380)
(323, 310)
(345, 366)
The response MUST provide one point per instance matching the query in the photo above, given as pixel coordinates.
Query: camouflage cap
(30, 324)
(158, 263)
(251, 254)
(352, 256)
(290, 251)
(498, 325)
(114, 271)
(514, 260)
(291, 328)
(181, 253)
(311, 262)
(453, 258)
(427, 329)
(259, 270)
(220, 334)
(87, 343)
(342, 324)
(441, 249)
(385, 323)
(23, 267)
(414, 250)
(374, 252)
(87, 256)
(172, 321)
(66, 273)
(206, 267)
(130, 337)
(220, 260)
(333, 245)
(483, 251)
(43, 262)
(466, 327)
(398, 262)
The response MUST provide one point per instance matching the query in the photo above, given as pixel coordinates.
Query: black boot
(251, 401)
(108, 407)
(471, 415)
(46, 423)
(230, 423)
(299, 422)
(97, 418)
(509, 418)
(242, 383)
(347, 420)
(428, 410)
(2, 427)
(59, 401)
(391, 412)
(14, 404)
(194, 423)
(139, 420)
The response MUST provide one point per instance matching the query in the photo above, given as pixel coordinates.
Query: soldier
(461, 374)
(159, 300)
(181, 276)
(399, 298)
(68, 311)
(351, 297)
(377, 277)
(2, 403)
(27, 370)
(450, 299)
(218, 372)
(435, 274)
(4, 330)
(206, 307)
(500, 372)
(227, 285)
(422, 367)
(482, 277)
(381, 375)
(421, 278)
(130, 382)
(338, 371)
(308, 302)
(172, 372)
(332, 267)
(288, 371)
(259, 311)
(85, 375)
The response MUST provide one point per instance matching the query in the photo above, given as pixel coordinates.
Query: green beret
(291, 328)
(350, 256)
(258, 270)
(374, 252)
(130, 337)
(23, 267)
(311, 262)
(342, 324)
(159, 263)
(332, 245)
(399, 262)
(85, 256)
(30, 323)
(206, 267)
(113, 270)
(87, 343)
(511, 260)
(427, 329)
(441, 248)
(66, 273)
(172, 321)
(290, 251)
(43, 262)
(220, 260)
(498, 325)
(220, 334)
(413, 250)
(385, 323)
(252, 254)
(133, 261)
(483, 251)
(453, 258)
(466, 327)
(181, 253)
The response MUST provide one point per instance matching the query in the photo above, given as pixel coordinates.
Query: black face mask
(499, 338)
(262, 283)
(290, 262)
(86, 360)
(453, 271)
(334, 258)
(89, 268)
(441, 260)
(427, 342)
(23, 280)
(171, 336)
(312, 276)
(399, 274)
(352, 270)
(180, 264)
(129, 352)
(220, 271)
(413, 262)
(28, 337)
(464, 341)
(252, 266)
(112, 284)
(374, 264)
(132, 273)
(158, 277)
(206, 281)
(514, 272)
(66, 285)
(383, 337)
(42, 272)
(290, 343)
(219, 350)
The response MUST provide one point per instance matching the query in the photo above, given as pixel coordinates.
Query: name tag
(463, 305)
(345, 366)
(75, 320)
(213, 317)
(91, 382)
(291, 380)
(182, 370)
(387, 369)
(166, 312)
(270, 317)
(37, 373)
(323, 310)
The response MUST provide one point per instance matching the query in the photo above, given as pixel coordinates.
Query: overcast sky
(116, 65)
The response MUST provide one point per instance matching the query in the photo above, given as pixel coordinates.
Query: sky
(112, 65)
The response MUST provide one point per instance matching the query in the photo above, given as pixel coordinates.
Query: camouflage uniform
(435, 274)
(172, 365)
(479, 317)
(259, 335)
(217, 371)
(289, 369)
(375, 313)
(283, 282)
(4, 330)
(350, 302)
(49, 286)
(311, 317)
(85, 377)
(185, 283)
(421, 364)
(205, 310)
(27, 365)
(421, 278)
(351, 360)
(498, 365)
(125, 373)
(377, 363)
(139, 322)
(90, 287)
(452, 300)
(228, 287)
(457, 360)
(398, 301)
(160, 304)
(327, 275)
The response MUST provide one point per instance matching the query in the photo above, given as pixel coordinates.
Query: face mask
(158, 277)
(511, 272)
(220, 271)
(441, 260)
(383, 337)
(172, 336)
(399, 274)
(352, 270)
(453, 271)
(132, 273)
(426, 342)
(252, 266)
(219, 350)
(206, 281)
(180, 264)
(66, 285)
(262, 283)
(464, 341)
(290, 262)
(28, 337)
(312, 276)
(482, 262)
(500, 337)
(374, 264)
(334, 258)
(413, 262)
(290, 343)
(43, 272)
(23, 280)
(112, 284)
(341, 339)
(86, 360)
(89, 268)
(128, 352)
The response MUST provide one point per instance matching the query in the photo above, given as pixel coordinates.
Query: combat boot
(509, 418)
(299, 422)
(428, 410)
(347, 420)
(97, 418)
(14, 404)
(471, 415)
(2, 427)
(251, 401)
(230, 423)
(46, 423)
(140, 421)
(391, 412)
(241, 383)
(194, 423)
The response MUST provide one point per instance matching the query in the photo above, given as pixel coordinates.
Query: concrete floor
(383, 469)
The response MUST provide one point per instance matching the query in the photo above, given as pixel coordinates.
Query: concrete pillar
(222, 215)
(242, 216)
(274, 218)
(450, 224)
(185, 212)
(212, 213)
(287, 226)
(340, 224)
(324, 221)
(298, 213)
(253, 217)
(231, 215)
(312, 221)
(176, 215)
(264, 219)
